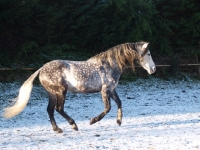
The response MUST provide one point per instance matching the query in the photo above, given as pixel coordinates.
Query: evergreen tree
(49, 29)
(15, 22)
(177, 25)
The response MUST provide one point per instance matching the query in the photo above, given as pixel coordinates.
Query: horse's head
(144, 57)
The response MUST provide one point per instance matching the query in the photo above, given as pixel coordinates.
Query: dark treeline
(33, 32)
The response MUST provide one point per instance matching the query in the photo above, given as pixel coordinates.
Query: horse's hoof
(92, 121)
(74, 126)
(119, 122)
(58, 130)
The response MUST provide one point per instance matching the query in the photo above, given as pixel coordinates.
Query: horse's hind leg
(115, 97)
(60, 109)
(50, 110)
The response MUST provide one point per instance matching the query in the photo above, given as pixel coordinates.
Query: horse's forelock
(145, 51)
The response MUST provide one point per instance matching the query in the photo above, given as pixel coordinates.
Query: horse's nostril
(153, 69)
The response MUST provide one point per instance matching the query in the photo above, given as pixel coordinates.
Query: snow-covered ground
(157, 115)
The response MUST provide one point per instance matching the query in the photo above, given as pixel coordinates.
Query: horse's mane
(123, 55)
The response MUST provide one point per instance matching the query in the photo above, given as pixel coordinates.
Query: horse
(99, 73)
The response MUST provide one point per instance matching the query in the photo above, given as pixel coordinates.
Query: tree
(177, 25)
(49, 29)
(15, 18)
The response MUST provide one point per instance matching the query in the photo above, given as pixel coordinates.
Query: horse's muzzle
(152, 69)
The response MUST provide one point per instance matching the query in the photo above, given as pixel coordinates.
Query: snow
(157, 115)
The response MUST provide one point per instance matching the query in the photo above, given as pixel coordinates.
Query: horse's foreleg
(106, 100)
(60, 109)
(50, 110)
(115, 97)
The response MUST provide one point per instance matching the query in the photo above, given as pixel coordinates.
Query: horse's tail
(22, 98)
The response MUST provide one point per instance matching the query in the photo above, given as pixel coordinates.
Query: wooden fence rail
(10, 69)
(180, 65)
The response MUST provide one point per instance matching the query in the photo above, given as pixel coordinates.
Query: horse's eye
(149, 54)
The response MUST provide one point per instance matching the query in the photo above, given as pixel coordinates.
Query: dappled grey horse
(100, 73)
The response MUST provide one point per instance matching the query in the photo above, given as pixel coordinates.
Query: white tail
(22, 99)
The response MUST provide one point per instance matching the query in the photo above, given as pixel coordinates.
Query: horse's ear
(145, 45)
(148, 44)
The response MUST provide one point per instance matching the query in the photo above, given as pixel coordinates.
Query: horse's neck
(111, 68)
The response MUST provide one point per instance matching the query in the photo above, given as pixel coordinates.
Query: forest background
(33, 32)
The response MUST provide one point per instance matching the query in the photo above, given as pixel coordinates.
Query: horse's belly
(84, 87)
